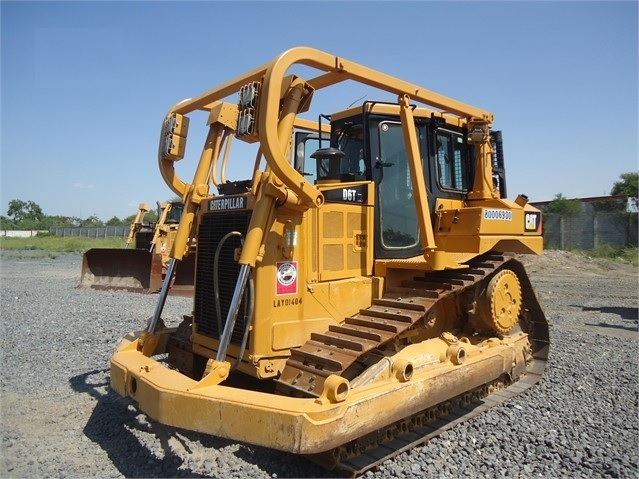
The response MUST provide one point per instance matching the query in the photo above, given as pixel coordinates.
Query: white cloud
(83, 186)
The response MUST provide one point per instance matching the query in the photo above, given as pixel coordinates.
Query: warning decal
(286, 277)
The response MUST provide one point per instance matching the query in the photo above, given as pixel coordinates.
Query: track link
(400, 309)
(364, 454)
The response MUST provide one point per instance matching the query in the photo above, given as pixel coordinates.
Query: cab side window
(453, 168)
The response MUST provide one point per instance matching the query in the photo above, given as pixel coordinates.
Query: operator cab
(367, 144)
(177, 207)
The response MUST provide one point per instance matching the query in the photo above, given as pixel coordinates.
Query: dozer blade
(135, 270)
(184, 281)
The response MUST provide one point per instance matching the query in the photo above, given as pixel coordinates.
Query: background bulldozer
(141, 268)
(358, 291)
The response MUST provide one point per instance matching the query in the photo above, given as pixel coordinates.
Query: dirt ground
(565, 263)
(566, 281)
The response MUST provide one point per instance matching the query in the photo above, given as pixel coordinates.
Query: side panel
(305, 281)
(302, 284)
(501, 225)
(345, 227)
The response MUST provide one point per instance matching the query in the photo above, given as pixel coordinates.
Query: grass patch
(48, 245)
(607, 253)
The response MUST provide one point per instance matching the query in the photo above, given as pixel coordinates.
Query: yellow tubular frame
(273, 144)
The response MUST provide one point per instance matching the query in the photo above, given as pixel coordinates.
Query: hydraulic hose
(245, 271)
(247, 327)
(216, 286)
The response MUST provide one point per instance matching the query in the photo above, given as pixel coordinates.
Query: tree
(7, 223)
(150, 217)
(629, 185)
(24, 210)
(64, 221)
(609, 206)
(563, 206)
(92, 221)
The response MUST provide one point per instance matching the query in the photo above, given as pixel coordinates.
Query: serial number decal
(286, 277)
(504, 215)
(278, 303)
(228, 203)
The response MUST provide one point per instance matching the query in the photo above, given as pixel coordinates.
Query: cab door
(397, 228)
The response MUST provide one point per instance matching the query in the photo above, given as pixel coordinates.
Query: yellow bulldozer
(359, 291)
(142, 268)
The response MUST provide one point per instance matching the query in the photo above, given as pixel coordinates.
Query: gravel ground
(59, 418)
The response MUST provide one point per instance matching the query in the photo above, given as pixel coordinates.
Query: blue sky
(85, 85)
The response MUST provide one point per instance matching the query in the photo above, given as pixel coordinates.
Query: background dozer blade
(135, 270)
(184, 280)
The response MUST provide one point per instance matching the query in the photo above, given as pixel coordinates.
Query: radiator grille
(212, 229)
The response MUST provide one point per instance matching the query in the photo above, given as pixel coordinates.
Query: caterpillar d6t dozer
(360, 292)
(142, 268)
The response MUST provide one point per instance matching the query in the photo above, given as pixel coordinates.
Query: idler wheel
(502, 303)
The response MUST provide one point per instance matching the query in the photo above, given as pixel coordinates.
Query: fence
(590, 230)
(94, 232)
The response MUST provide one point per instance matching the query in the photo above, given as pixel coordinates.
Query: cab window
(398, 214)
(453, 169)
(349, 138)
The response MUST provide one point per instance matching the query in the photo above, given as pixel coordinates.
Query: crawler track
(338, 351)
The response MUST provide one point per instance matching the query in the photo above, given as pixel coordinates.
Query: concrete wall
(20, 234)
(590, 230)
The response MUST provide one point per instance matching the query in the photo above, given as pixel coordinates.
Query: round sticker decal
(287, 277)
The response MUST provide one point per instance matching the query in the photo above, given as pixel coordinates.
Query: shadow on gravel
(632, 329)
(623, 312)
(109, 427)
(113, 419)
